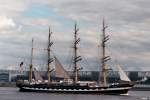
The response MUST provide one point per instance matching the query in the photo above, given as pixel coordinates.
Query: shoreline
(9, 84)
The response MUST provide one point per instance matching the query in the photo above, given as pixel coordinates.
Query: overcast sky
(128, 24)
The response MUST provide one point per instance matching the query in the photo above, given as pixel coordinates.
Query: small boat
(68, 85)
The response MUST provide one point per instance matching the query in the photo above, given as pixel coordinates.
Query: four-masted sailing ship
(73, 85)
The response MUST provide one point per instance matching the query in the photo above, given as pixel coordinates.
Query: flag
(21, 67)
(21, 64)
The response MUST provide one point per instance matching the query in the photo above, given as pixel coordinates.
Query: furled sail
(37, 75)
(60, 71)
(122, 74)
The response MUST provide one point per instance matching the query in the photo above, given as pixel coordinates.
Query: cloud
(128, 26)
(40, 22)
(10, 11)
(12, 8)
(8, 26)
(6, 23)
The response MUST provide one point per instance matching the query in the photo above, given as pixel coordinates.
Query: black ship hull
(75, 89)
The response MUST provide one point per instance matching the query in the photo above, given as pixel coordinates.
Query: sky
(128, 24)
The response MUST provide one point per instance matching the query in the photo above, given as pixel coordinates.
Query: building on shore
(13, 75)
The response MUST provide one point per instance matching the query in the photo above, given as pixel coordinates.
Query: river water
(7, 93)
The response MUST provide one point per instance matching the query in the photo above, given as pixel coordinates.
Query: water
(13, 94)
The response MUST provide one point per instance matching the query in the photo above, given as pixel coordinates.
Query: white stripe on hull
(75, 90)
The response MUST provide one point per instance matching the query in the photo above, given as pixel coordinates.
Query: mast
(31, 64)
(76, 57)
(104, 58)
(49, 57)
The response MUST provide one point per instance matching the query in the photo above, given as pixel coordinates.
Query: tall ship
(72, 84)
